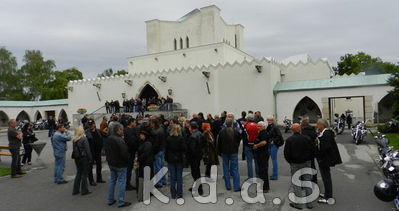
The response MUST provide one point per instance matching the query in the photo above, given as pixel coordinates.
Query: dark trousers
(326, 177)
(82, 169)
(97, 160)
(130, 168)
(263, 160)
(28, 153)
(208, 170)
(195, 170)
(313, 166)
(16, 161)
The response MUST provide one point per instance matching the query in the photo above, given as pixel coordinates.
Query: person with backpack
(82, 155)
(276, 140)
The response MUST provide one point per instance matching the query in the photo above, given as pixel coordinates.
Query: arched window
(181, 43)
(187, 42)
(175, 44)
(235, 41)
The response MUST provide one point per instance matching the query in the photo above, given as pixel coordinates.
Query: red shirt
(252, 129)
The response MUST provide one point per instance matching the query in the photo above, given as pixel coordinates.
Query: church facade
(200, 61)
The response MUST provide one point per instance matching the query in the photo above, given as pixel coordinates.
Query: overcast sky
(93, 35)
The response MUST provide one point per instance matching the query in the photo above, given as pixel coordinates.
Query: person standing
(51, 125)
(327, 156)
(209, 155)
(310, 132)
(258, 117)
(14, 144)
(174, 151)
(59, 142)
(95, 142)
(28, 138)
(158, 147)
(144, 158)
(104, 130)
(229, 141)
(82, 156)
(195, 153)
(117, 155)
(276, 140)
(252, 130)
(349, 121)
(131, 139)
(84, 121)
(107, 107)
(298, 152)
(261, 154)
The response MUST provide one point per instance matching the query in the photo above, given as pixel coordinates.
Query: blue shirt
(59, 141)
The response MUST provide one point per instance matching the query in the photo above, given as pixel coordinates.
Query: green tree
(37, 74)
(121, 72)
(10, 86)
(394, 82)
(109, 72)
(57, 89)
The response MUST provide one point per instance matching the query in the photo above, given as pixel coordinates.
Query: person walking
(14, 144)
(298, 152)
(174, 151)
(228, 143)
(276, 140)
(261, 154)
(29, 137)
(209, 155)
(59, 142)
(82, 155)
(51, 126)
(117, 156)
(327, 156)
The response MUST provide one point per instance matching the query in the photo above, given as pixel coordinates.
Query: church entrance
(148, 92)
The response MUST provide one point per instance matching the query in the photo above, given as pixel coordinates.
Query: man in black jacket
(131, 139)
(261, 154)
(158, 146)
(298, 152)
(117, 155)
(310, 132)
(195, 153)
(327, 156)
(95, 141)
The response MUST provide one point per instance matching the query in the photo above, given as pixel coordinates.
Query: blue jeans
(230, 164)
(158, 164)
(176, 179)
(50, 131)
(120, 175)
(249, 156)
(59, 166)
(273, 154)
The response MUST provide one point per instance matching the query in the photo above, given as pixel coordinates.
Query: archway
(385, 109)
(3, 119)
(63, 115)
(23, 116)
(38, 115)
(307, 107)
(148, 92)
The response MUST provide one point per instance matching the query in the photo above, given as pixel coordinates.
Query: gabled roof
(333, 83)
(33, 103)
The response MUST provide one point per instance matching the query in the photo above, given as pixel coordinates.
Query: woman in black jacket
(276, 140)
(82, 155)
(145, 158)
(209, 155)
(28, 138)
(174, 151)
(228, 143)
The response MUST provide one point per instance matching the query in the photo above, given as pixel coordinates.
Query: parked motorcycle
(339, 126)
(287, 123)
(359, 131)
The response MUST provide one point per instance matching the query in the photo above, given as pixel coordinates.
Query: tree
(121, 72)
(362, 62)
(57, 89)
(109, 72)
(10, 86)
(394, 82)
(37, 74)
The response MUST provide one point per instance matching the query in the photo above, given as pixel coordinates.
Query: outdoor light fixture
(170, 91)
(156, 59)
(70, 88)
(129, 82)
(206, 74)
(97, 85)
(216, 50)
(162, 78)
(184, 54)
(259, 68)
(123, 95)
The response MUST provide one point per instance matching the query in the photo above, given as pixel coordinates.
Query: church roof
(333, 83)
(33, 103)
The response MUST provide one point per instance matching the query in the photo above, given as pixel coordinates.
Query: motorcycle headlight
(391, 168)
(395, 162)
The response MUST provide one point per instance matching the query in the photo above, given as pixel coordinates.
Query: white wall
(306, 71)
(12, 112)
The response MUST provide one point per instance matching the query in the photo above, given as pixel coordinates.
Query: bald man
(298, 152)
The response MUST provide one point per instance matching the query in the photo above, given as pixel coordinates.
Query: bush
(385, 128)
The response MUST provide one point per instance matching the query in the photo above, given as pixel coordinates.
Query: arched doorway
(63, 115)
(3, 119)
(38, 115)
(307, 107)
(148, 92)
(385, 109)
(23, 116)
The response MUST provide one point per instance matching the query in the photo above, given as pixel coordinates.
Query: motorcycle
(287, 123)
(67, 125)
(339, 126)
(359, 131)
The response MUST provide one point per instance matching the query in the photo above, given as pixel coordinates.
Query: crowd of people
(132, 144)
(139, 105)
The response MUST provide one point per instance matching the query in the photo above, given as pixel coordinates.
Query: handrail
(96, 110)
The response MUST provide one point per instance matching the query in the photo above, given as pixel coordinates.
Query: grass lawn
(4, 171)
(393, 139)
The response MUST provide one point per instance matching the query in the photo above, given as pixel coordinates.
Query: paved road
(353, 183)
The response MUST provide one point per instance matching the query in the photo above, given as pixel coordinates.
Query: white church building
(200, 61)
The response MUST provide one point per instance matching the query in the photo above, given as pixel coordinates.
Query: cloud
(94, 35)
